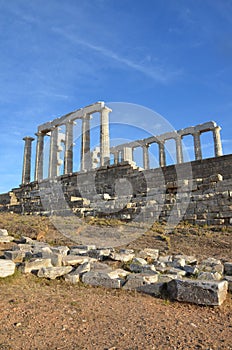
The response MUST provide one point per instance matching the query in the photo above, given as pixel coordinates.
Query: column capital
(106, 109)
(28, 138)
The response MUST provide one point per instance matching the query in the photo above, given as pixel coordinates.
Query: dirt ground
(42, 314)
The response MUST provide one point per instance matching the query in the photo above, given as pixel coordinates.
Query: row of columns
(127, 151)
(55, 140)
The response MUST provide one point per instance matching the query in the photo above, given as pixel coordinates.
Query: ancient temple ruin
(110, 183)
(120, 153)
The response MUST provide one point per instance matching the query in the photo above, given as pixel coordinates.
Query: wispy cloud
(159, 74)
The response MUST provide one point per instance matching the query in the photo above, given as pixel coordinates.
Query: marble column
(197, 145)
(217, 141)
(26, 175)
(127, 154)
(39, 156)
(146, 161)
(85, 143)
(104, 137)
(162, 156)
(179, 150)
(53, 156)
(68, 153)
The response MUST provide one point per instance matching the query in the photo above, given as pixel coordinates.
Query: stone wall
(199, 192)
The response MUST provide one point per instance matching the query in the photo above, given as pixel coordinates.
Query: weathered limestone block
(197, 292)
(23, 247)
(14, 255)
(101, 279)
(78, 251)
(177, 263)
(228, 268)
(136, 280)
(137, 264)
(165, 259)
(56, 258)
(6, 239)
(124, 255)
(209, 276)
(74, 260)
(100, 267)
(100, 254)
(149, 253)
(118, 273)
(7, 268)
(3, 232)
(83, 268)
(72, 277)
(211, 265)
(190, 270)
(35, 265)
(63, 250)
(54, 272)
(229, 280)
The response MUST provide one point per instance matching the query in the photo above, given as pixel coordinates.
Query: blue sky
(172, 56)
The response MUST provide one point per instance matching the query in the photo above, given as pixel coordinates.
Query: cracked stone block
(197, 291)
(54, 272)
(211, 265)
(7, 268)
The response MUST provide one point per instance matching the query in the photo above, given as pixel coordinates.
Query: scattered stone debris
(175, 277)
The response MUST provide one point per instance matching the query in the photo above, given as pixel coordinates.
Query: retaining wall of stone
(199, 192)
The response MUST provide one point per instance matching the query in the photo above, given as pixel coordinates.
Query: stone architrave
(104, 137)
(26, 176)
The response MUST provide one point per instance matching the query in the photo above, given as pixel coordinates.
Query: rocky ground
(43, 314)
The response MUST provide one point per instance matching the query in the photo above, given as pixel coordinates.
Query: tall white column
(127, 154)
(53, 157)
(85, 143)
(68, 154)
(197, 145)
(179, 150)
(39, 156)
(104, 137)
(146, 160)
(162, 156)
(217, 141)
(26, 175)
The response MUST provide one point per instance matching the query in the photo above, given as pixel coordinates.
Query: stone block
(3, 232)
(35, 265)
(101, 279)
(14, 255)
(6, 239)
(229, 280)
(149, 253)
(53, 272)
(228, 268)
(197, 292)
(74, 260)
(63, 250)
(209, 276)
(122, 255)
(136, 280)
(7, 268)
